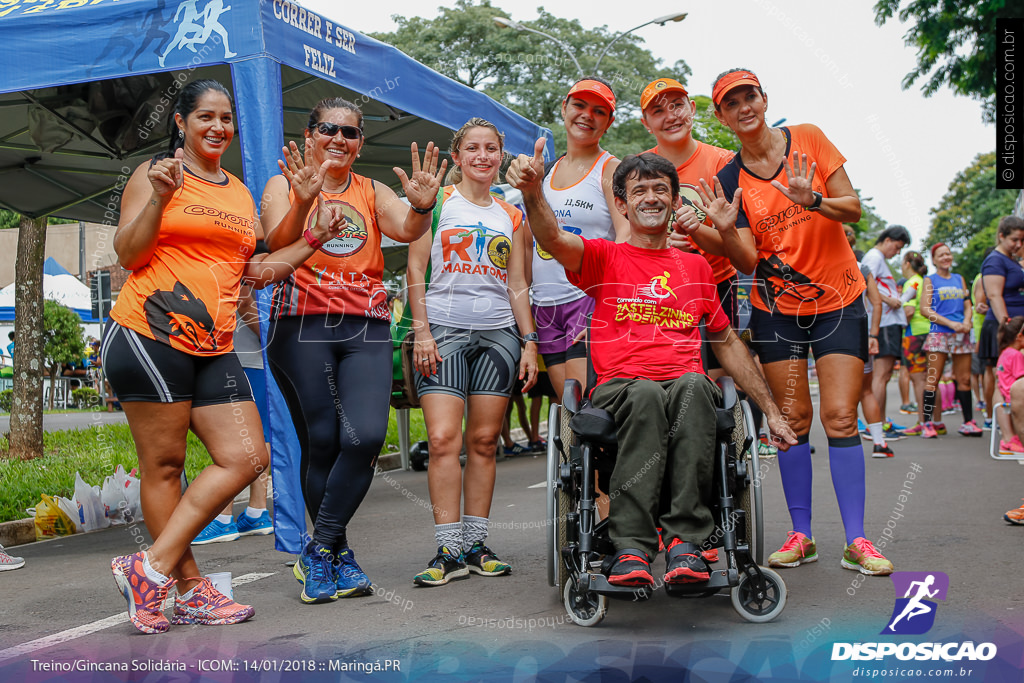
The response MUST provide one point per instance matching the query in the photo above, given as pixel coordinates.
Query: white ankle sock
(224, 519)
(877, 433)
(254, 513)
(151, 573)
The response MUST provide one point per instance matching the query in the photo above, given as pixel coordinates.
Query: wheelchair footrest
(718, 580)
(598, 583)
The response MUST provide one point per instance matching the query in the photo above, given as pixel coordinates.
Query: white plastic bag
(114, 504)
(132, 496)
(90, 505)
(71, 510)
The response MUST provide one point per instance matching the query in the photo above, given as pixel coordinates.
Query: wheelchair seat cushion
(594, 425)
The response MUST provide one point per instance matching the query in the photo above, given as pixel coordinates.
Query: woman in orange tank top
(329, 344)
(188, 231)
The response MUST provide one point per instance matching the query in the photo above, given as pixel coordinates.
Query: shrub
(85, 397)
(6, 400)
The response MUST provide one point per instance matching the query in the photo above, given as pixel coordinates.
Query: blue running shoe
(217, 532)
(315, 570)
(260, 526)
(861, 427)
(350, 579)
(889, 424)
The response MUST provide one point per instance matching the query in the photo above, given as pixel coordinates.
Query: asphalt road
(514, 628)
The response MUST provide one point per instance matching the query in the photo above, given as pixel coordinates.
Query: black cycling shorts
(778, 337)
(143, 369)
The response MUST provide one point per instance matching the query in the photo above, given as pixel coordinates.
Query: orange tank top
(346, 275)
(187, 294)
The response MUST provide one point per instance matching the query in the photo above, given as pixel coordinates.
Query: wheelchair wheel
(558, 502)
(750, 499)
(760, 606)
(585, 609)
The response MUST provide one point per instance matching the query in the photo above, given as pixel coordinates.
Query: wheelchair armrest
(572, 395)
(728, 387)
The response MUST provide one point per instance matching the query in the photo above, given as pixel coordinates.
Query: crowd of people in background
(489, 304)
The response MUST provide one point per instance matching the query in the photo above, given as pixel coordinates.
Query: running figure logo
(197, 27)
(914, 613)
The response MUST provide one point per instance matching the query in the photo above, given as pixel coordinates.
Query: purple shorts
(559, 325)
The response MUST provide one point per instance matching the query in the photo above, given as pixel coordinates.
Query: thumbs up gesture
(526, 173)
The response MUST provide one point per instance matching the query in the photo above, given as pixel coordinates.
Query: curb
(18, 532)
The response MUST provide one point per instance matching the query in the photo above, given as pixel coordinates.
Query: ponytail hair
(1009, 330)
(185, 105)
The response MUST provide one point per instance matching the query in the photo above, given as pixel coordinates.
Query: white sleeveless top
(580, 209)
(467, 287)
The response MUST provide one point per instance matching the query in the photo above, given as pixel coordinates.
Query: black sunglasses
(331, 129)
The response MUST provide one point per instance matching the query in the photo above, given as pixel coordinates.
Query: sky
(825, 63)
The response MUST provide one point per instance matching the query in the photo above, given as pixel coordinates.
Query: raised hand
(799, 176)
(305, 179)
(722, 212)
(525, 173)
(421, 189)
(167, 175)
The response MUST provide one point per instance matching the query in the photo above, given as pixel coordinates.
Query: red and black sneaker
(629, 567)
(684, 563)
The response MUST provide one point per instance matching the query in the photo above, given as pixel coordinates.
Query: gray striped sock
(473, 529)
(449, 535)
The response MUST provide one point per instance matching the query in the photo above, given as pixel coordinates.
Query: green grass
(97, 450)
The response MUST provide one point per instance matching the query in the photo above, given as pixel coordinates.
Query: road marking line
(538, 486)
(79, 631)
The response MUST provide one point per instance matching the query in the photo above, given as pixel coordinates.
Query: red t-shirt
(705, 163)
(649, 305)
(805, 265)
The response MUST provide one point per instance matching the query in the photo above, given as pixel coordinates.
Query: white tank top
(468, 283)
(580, 209)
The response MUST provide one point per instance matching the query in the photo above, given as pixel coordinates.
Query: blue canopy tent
(86, 87)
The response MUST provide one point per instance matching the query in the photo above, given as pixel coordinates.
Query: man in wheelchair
(645, 347)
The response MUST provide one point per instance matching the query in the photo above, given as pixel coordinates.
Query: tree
(530, 74)
(955, 42)
(26, 440)
(968, 214)
(870, 224)
(62, 339)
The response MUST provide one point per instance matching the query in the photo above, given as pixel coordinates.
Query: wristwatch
(816, 204)
(531, 337)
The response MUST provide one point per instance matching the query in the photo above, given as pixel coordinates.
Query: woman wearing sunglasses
(330, 343)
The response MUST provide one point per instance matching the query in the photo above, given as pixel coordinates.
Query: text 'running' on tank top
(580, 209)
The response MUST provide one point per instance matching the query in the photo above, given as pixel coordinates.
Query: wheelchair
(581, 439)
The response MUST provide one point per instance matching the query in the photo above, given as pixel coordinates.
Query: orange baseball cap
(595, 88)
(733, 80)
(655, 88)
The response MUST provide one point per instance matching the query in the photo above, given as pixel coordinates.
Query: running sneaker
(629, 569)
(204, 604)
(314, 569)
(217, 532)
(914, 431)
(861, 556)
(445, 566)
(765, 449)
(928, 431)
(1015, 516)
(797, 550)
(515, 449)
(684, 564)
(539, 446)
(980, 408)
(1011, 447)
(909, 408)
(861, 426)
(351, 581)
(259, 526)
(9, 562)
(940, 428)
(988, 424)
(882, 452)
(970, 428)
(145, 597)
(889, 424)
(481, 560)
(892, 432)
